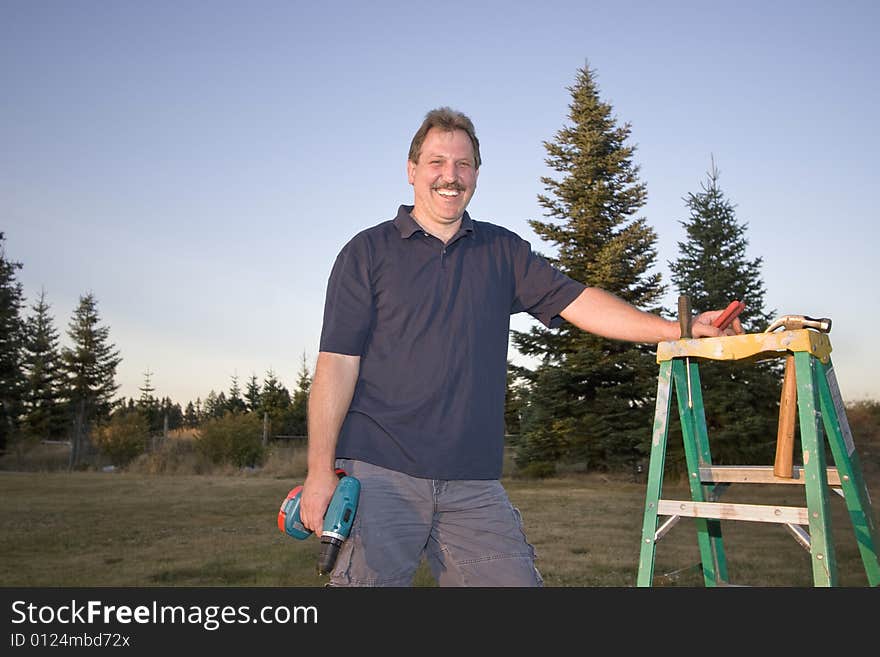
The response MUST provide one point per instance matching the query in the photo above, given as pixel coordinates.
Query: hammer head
(794, 322)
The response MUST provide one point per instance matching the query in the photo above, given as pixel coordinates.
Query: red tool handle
(724, 319)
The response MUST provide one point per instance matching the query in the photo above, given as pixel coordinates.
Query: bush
(537, 470)
(174, 456)
(27, 456)
(123, 438)
(235, 438)
(285, 461)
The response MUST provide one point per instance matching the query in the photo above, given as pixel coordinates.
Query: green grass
(99, 529)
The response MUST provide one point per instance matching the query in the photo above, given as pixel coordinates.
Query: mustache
(455, 186)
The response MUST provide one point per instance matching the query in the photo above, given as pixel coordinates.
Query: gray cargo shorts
(468, 530)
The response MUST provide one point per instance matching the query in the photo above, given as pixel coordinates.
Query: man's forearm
(329, 398)
(605, 314)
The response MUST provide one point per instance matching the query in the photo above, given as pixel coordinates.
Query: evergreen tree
(741, 399)
(273, 396)
(12, 381)
(514, 400)
(547, 422)
(252, 394)
(171, 413)
(222, 405)
(215, 405)
(148, 405)
(46, 415)
(236, 402)
(90, 369)
(296, 422)
(604, 415)
(274, 401)
(190, 417)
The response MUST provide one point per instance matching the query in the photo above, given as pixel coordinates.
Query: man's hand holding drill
(318, 489)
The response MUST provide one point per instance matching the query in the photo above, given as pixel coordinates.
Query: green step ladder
(819, 406)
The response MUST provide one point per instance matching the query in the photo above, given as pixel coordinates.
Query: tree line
(68, 393)
(285, 411)
(48, 391)
(588, 402)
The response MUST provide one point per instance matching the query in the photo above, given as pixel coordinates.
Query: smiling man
(443, 166)
(408, 391)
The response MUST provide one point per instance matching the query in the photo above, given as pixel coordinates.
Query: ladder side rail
(855, 491)
(815, 478)
(659, 437)
(710, 491)
(686, 375)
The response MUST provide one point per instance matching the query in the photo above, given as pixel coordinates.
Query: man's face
(445, 177)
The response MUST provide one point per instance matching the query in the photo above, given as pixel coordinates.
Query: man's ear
(410, 171)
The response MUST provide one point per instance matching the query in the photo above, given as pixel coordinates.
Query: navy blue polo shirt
(431, 323)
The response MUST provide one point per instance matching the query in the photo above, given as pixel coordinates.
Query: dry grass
(124, 529)
(586, 531)
(171, 519)
(119, 529)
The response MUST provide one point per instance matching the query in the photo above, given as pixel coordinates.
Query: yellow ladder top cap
(757, 346)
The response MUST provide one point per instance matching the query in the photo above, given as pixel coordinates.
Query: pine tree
(514, 400)
(90, 369)
(236, 402)
(46, 414)
(171, 413)
(741, 399)
(190, 417)
(547, 422)
(252, 394)
(274, 402)
(215, 404)
(148, 405)
(12, 381)
(296, 421)
(607, 387)
(273, 396)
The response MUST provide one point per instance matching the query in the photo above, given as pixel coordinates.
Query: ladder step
(726, 511)
(758, 474)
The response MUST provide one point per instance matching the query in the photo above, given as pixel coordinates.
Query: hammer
(793, 322)
(783, 465)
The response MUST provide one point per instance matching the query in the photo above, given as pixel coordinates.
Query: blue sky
(198, 165)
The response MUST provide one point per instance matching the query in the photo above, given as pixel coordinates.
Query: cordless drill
(337, 520)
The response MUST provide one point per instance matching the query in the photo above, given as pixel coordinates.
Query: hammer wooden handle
(782, 466)
(684, 315)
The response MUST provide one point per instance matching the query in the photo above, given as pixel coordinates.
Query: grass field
(141, 530)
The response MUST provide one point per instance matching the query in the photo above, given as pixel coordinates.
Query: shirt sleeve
(541, 289)
(348, 306)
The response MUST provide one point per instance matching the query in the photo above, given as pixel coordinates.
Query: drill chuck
(329, 551)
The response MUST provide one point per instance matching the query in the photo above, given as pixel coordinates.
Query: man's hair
(447, 119)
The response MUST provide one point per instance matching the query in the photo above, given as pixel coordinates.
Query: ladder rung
(758, 474)
(727, 511)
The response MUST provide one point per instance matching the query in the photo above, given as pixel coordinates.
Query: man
(408, 391)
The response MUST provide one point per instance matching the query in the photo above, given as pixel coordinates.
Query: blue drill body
(337, 520)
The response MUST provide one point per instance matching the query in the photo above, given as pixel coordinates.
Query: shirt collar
(408, 226)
